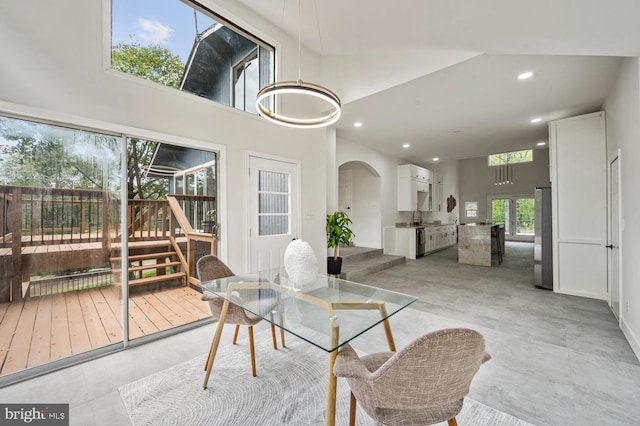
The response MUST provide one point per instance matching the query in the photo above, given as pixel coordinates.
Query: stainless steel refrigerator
(542, 252)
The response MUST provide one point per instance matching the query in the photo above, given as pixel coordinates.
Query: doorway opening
(359, 194)
(517, 214)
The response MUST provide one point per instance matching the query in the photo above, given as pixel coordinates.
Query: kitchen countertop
(421, 225)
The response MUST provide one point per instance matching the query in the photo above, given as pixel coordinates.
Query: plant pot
(334, 266)
(208, 226)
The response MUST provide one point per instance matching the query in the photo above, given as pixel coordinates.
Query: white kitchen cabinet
(400, 242)
(414, 191)
(439, 237)
(407, 194)
(414, 172)
(436, 197)
(431, 242)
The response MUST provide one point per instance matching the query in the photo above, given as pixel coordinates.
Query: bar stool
(495, 235)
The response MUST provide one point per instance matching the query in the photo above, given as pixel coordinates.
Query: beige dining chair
(209, 268)
(422, 384)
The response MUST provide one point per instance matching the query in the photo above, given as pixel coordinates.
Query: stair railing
(178, 218)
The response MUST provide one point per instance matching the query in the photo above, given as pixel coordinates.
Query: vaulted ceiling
(440, 75)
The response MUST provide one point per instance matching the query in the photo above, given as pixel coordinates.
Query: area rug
(290, 389)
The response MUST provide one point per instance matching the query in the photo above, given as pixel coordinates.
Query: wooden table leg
(333, 380)
(387, 328)
(281, 320)
(215, 343)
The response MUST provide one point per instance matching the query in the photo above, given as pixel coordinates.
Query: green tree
(511, 157)
(499, 211)
(41, 155)
(158, 64)
(140, 185)
(153, 62)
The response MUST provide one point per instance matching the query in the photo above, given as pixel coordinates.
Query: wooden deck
(43, 329)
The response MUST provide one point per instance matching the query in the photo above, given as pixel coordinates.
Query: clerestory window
(513, 157)
(184, 45)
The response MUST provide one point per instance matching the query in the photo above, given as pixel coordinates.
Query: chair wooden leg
(273, 334)
(273, 337)
(352, 410)
(235, 335)
(253, 352)
(452, 422)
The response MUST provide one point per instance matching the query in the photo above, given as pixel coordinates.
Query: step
(157, 278)
(359, 262)
(148, 267)
(359, 253)
(147, 256)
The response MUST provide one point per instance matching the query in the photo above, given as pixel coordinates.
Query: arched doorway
(359, 195)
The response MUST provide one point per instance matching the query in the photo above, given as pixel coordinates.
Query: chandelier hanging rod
(298, 88)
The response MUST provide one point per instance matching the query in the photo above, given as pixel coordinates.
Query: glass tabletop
(311, 306)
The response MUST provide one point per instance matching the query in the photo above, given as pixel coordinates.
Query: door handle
(610, 246)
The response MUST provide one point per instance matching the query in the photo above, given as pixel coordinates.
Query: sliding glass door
(59, 220)
(517, 214)
(70, 281)
(171, 197)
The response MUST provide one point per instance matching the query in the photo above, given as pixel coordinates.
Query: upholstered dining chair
(209, 268)
(422, 384)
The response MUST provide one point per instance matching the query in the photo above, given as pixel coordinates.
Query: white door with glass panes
(274, 210)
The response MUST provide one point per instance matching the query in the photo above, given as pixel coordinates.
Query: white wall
(387, 168)
(54, 61)
(477, 182)
(365, 204)
(384, 166)
(622, 107)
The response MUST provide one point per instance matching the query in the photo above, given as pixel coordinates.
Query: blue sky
(169, 23)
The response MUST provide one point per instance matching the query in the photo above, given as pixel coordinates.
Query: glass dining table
(325, 311)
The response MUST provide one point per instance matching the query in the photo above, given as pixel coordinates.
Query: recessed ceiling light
(525, 75)
(436, 159)
(536, 120)
(406, 145)
(357, 124)
(541, 143)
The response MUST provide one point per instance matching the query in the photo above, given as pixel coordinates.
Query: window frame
(260, 43)
(251, 56)
(508, 159)
(467, 209)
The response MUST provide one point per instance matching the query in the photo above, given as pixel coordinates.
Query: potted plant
(338, 232)
(209, 222)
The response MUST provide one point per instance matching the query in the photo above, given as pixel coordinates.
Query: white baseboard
(631, 338)
(571, 292)
(366, 244)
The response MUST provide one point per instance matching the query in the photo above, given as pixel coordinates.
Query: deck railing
(179, 220)
(32, 217)
(58, 216)
(148, 219)
(38, 216)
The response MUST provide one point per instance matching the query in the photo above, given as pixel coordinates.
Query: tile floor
(557, 360)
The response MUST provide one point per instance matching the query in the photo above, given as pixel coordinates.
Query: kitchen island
(475, 243)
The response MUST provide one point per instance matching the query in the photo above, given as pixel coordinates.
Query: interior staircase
(358, 262)
(151, 263)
